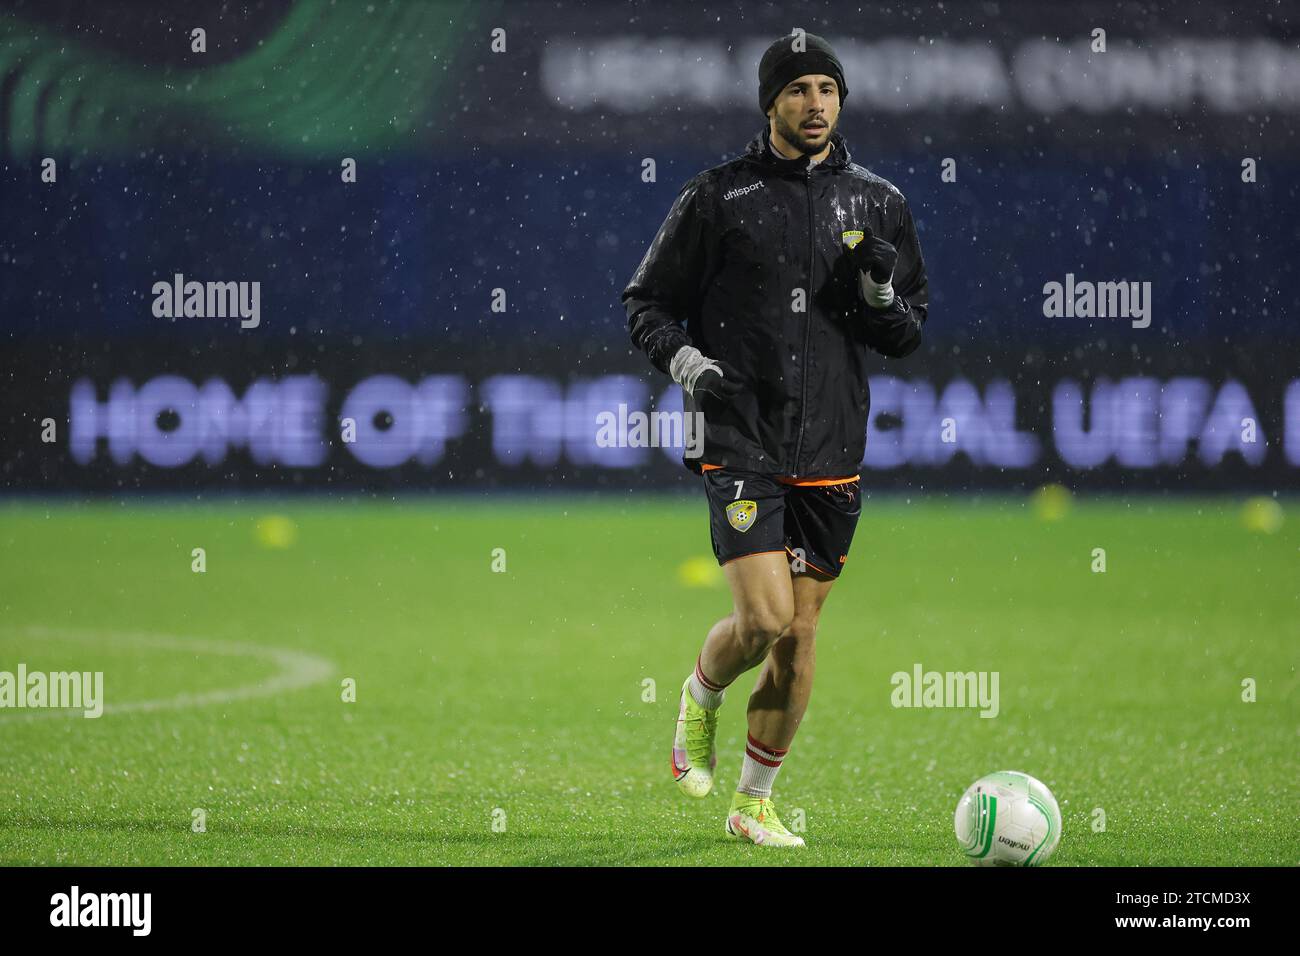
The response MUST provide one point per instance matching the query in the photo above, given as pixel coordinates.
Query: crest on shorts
(740, 514)
(851, 237)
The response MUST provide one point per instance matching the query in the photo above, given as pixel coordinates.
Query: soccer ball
(1007, 819)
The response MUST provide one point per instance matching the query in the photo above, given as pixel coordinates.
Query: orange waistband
(799, 482)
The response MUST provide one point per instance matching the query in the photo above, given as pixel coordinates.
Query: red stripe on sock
(708, 684)
(762, 758)
(756, 744)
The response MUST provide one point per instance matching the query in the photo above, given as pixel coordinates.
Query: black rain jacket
(752, 261)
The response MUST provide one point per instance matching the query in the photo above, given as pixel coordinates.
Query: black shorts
(751, 513)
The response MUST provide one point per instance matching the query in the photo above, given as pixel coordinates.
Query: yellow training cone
(699, 573)
(1050, 502)
(276, 531)
(1262, 515)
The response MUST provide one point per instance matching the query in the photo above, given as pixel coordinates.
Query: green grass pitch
(499, 716)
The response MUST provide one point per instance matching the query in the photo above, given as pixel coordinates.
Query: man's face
(804, 114)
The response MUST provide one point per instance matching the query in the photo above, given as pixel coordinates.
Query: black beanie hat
(781, 64)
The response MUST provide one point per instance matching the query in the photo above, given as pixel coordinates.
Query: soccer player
(760, 295)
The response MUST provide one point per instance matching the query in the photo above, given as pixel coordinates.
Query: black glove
(712, 387)
(874, 256)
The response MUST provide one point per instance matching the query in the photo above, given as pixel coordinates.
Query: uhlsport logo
(741, 190)
(852, 237)
(740, 514)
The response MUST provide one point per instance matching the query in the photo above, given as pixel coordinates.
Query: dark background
(521, 171)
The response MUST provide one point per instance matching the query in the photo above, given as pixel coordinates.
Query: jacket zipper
(807, 326)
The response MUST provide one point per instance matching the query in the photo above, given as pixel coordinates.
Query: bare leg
(784, 687)
(774, 620)
(763, 598)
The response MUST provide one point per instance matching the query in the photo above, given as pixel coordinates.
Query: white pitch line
(297, 669)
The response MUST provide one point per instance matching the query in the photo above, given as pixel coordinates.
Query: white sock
(704, 692)
(762, 763)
